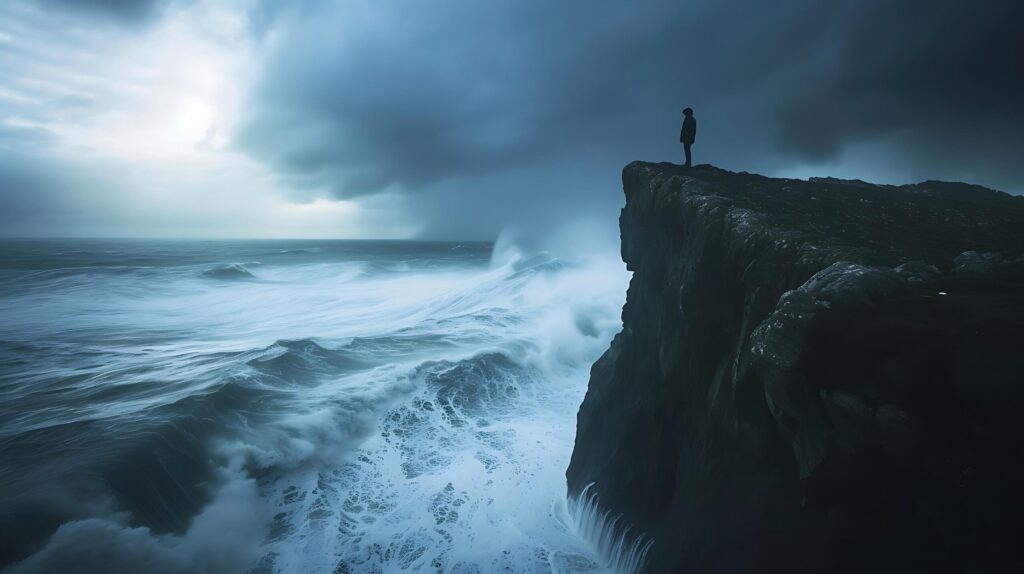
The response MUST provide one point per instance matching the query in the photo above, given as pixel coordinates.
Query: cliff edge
(812, 376)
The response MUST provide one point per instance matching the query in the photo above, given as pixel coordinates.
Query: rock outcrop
(813, 376)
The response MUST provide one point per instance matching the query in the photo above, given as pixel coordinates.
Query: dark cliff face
(813, 376)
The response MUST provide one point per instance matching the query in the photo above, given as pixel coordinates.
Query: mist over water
(296, 406)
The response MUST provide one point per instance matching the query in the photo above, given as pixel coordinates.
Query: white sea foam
(466, 473)
(415, 418)
(619, 549)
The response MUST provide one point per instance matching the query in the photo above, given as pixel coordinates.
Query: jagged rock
(813, 376)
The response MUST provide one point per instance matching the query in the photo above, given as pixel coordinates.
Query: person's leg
(686, 147)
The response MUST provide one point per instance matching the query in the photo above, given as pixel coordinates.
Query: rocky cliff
(812, 376)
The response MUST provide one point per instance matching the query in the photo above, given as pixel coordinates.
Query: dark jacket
(689, 132)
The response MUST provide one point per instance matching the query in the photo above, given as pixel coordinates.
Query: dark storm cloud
(412, 94)
(400, 96)
(126, 11)
(950, 74)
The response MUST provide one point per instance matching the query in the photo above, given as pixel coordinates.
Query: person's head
(688, 112)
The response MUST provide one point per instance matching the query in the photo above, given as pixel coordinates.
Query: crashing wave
(619, 551)
(230, 272)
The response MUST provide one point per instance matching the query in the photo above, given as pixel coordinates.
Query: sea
(296, 406)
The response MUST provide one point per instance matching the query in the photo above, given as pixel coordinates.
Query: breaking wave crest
(620, 550)
(229, 272)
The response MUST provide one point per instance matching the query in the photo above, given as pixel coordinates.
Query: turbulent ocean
(295, 406)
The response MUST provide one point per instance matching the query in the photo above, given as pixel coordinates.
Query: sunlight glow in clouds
(138, 122)
(176, 90)
(115, 92)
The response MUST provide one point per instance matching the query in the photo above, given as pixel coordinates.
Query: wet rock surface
(813, 376)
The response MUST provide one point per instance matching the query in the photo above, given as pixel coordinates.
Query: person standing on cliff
(689, 133)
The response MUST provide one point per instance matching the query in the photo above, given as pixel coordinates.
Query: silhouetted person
(688, 133)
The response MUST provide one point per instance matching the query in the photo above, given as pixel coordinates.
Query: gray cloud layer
(125, 11)
(415, 94)
(486, 113)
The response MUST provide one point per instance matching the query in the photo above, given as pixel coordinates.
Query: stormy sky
(460, 118)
